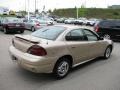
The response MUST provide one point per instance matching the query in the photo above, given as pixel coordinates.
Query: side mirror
(68, 38)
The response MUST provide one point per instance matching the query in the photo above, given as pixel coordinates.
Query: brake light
(96, 28)
(37, 24)
(37, 50)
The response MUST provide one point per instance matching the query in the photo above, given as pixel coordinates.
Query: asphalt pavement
(98, 74)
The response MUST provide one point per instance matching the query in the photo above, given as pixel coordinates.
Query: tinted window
(90, 35)
(75, 35)
(50, 33)
(117, 23)
(107, 23)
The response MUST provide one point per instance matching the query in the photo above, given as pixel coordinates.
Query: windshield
(50, 33)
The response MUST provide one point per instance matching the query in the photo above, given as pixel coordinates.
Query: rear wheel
(107, 53)
(32, 29)
(61, 68)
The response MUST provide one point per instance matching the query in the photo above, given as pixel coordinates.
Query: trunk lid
(24, 42)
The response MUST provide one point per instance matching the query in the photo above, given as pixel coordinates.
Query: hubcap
(107, 36)
(108, 51)
(4, 30)
(33, 29)
(63, 68)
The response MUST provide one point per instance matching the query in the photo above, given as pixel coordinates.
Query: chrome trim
(82, 62)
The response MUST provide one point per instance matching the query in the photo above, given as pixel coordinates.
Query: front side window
(75, 35)
(90, 35)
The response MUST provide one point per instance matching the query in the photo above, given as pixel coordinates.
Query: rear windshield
(13, 20)
(50, 33)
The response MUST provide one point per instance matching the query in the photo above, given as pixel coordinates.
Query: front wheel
(32, 29)
(107, 53)
(61, 68)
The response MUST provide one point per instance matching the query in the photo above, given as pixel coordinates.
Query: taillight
(96, 28)
(37, 50)
(37, 24)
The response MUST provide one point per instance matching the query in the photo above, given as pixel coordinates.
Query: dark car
(11, 24)
(109, 29)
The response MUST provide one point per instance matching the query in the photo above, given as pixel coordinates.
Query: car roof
(69, 26)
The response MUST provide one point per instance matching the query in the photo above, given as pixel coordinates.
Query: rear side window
(50, 33)
(75, 35)
(107, 23)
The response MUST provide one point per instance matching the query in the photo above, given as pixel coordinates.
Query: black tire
(21, 31)
(32, 29)
(107, 53)
(62, 68)
(5, 31)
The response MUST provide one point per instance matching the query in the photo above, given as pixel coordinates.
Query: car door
(28, 24)
(116, 30)
(96, 46)
(77, 45)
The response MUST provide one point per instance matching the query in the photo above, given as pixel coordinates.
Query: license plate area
(17, 25)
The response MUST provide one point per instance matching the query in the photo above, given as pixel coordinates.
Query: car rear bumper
(11, 29)
(32, 63)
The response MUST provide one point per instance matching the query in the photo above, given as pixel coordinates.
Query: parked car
(11, 24)
(109, 29)
(91, 22)
(33, 25)
(69, 21)
(57, 49)
(46, 21)
(78, 22)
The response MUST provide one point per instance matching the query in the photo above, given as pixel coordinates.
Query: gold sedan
(57, 49)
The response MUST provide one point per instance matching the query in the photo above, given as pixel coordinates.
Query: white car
(69, 21)
(57, 49)
(91, 22)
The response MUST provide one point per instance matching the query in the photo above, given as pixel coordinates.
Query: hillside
(89, 13)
